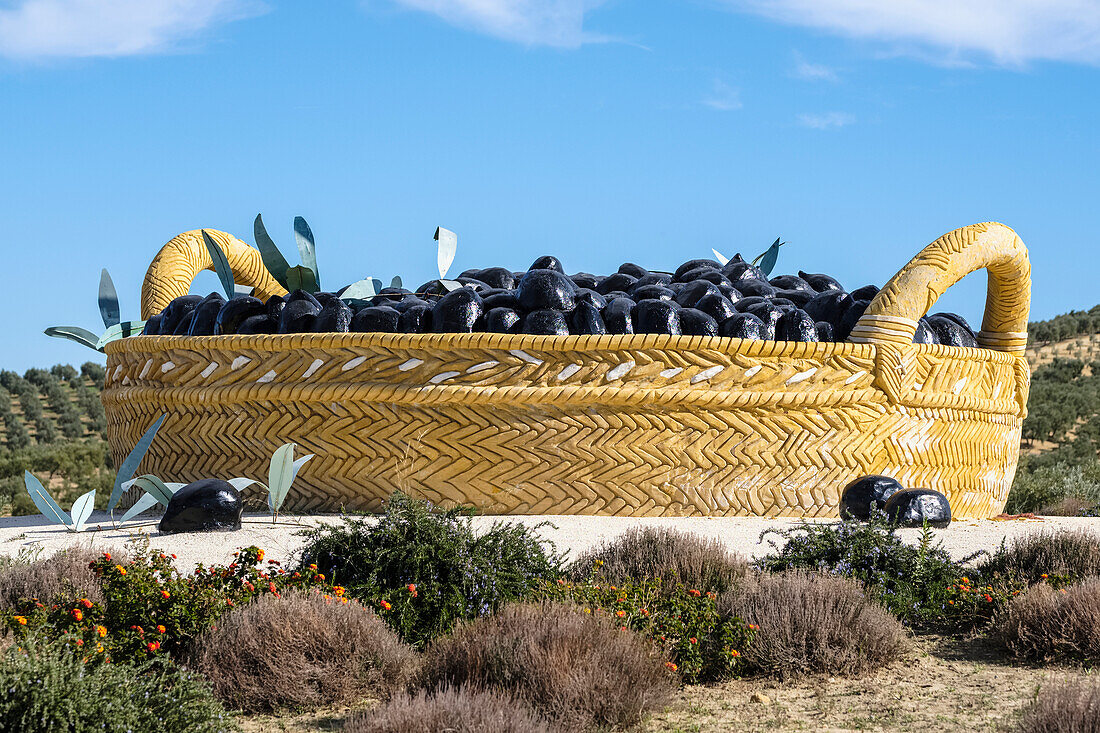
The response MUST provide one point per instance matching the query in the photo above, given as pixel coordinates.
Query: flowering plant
(150, 608)
(702, 645)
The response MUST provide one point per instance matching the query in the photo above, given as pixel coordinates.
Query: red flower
(78, 614)
(161, 629)
(694, 593)
(412, 589)
(386, 605)
(693, 640)
(86, 603)
(152, 646)
(271, 587)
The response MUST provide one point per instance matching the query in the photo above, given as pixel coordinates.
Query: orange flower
(620, 614)
(313, 566)
(1044, 576)
(80, 642)
(101, 630)
(86, 603)
(671, 667)
(734, 653)
(22, 620)
(412, 589)
(152, 646)
(988, 598)
(121, 570)
(259, 556)
(78, 614)
(694, 593)
(386, 605)
(165, 595)
(693, 640)
(338, 590)
(161, 629)
(271, 587)
(319, 576)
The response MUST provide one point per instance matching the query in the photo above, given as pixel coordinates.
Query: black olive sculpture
(700, 298)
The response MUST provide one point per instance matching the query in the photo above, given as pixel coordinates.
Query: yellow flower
(22, 620)
(101, 630)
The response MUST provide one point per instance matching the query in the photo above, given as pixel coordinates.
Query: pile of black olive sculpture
(701, 298)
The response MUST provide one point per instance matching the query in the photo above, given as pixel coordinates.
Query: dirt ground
(947, 684)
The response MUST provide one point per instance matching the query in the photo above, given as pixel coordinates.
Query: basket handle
(893, 314)
(174, 268)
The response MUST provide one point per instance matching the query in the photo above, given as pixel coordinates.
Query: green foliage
(421, 569)
(1066, 326)
(704, 644)
(69, 468)
(46, 688)
(1040, 484)
(149, 609)
(911, 582)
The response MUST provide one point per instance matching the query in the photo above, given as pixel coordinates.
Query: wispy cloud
(557, 23)
(723, 97)
(1007, 32)
(42, 29)
(803, 69)
(826, 121)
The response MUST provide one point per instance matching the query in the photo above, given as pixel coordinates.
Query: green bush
(1041, 486)
(914, 583)
(668, 555)
(48, 689)
(422, 570)
(703, 645)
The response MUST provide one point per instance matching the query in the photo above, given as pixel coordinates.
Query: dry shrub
(1064, 708)
(452, 710)
(572, 667)
(1068, 506)
(1063, 552)
(814, 623)
(1046, 624)
(673, 556)
(299, 651)
(65, 575)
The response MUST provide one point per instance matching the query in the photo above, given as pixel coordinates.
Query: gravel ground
(571, 534)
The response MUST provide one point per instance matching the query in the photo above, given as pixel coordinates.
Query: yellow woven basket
(641, 425)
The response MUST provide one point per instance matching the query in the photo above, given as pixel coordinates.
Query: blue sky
(600, 132)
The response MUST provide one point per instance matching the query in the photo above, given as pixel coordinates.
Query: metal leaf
(122, 330)
(306, 248)
(280, 475)
(42, 499)
(129, 466)
(153, 486)
(273, 259)
(377, 284)
(451, 285)
(82, 509)
(768, 259)
(240, 484)
(301, 278)
(75, 333)
(396, 282)
(722, 259)
(221, 265)
(147, 501)
(445, 251)
(361, 289)
(108, 300)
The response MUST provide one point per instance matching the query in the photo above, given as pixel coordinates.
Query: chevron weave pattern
(640, 425)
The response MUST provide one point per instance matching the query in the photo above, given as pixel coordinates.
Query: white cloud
(803, 69)
(533, 22)
(1008, 32)
(40, 29)
(724, 97)
(826, 121)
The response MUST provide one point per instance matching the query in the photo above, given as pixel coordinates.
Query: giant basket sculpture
(641, 425)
